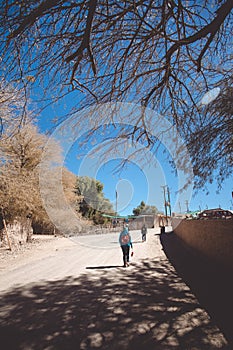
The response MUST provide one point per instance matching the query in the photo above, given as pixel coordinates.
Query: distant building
(217, 213)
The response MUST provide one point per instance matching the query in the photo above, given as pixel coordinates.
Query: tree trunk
(17, 233)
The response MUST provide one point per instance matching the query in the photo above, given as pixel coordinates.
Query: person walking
(144, 232)
(125, 243)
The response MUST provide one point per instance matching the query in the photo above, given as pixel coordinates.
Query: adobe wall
(213, 238)
(138, 223)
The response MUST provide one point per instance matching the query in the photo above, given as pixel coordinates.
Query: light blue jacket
(124, 233)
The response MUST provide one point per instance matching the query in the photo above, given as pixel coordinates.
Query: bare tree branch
(30, 19)
(86, 43)
(211, 28)
(161, 54)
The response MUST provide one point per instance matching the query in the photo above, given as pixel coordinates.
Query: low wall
(137, 223)
(212, 238)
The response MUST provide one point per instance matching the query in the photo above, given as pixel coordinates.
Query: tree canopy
(20, 156)
(145, 209)
(161, 54)
(94, 202)
(20, 190)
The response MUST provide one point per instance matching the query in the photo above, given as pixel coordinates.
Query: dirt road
(75, 294)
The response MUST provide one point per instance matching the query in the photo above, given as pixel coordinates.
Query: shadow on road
(211, 283)
(146, 306)
(103, 267)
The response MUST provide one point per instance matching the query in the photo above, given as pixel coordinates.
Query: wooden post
(8, 240)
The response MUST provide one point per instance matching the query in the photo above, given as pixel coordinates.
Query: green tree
(94, 202)
(144, 209)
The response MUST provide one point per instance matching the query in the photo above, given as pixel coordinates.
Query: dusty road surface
(75, 294)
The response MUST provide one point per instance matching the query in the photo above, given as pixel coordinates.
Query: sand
(73, 293)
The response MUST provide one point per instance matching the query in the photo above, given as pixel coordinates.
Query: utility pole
(169, 201)
(165, 201)
(116, 203)
(187, 206)
(167, 204)
(115, 220)
(179, 207)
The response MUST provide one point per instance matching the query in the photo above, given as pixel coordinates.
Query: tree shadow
(103, 267)
(211, 282)
(144, 307)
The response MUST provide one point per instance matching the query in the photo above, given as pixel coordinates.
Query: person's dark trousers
(125, 250)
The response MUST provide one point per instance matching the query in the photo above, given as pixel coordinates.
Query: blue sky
(133, 186)
(136, 182)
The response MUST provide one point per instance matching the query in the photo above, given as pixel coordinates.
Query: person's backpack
(125, 238)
